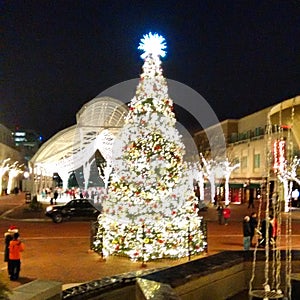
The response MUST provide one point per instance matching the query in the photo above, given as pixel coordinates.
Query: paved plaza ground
(64, 256)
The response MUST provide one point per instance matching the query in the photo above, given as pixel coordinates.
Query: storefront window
(244, 162)
(256, 161)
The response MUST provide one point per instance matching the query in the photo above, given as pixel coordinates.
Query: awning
(254, 186)
(236, 185)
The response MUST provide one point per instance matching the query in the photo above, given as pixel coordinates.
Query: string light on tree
(279, 153)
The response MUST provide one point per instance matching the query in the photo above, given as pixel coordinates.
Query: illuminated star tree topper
(152, 44)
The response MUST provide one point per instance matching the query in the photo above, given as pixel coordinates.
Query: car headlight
(49, 208)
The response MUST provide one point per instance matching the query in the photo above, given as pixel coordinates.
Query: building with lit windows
(27, 141)
(27, 138)
(71, 150)
(248, 140)
(8, 148)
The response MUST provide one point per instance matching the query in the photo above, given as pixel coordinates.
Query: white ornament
(267, 288)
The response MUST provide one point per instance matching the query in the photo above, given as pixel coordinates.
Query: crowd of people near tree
(268, 231)
(58, 194)
(252, 234)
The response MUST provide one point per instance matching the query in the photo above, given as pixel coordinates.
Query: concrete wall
(126, 293)
(221, 277)
(218, 277)
(219, 285)
(38, 290)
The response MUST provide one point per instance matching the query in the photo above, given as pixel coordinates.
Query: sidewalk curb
(9, 211)
(26, 220)
(4, 216)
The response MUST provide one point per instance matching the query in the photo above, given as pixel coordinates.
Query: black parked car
(77, 208)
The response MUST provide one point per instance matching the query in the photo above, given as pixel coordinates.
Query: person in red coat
(275, 229)
(226, 214)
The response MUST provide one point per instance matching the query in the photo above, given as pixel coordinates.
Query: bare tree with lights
(216, 170)
(227, 169)
(198, 175)
(4, 167)
(286, 175)
(209, 167)
(13, 171)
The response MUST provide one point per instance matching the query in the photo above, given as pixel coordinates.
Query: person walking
(226, 214)
(51, 195)
(220, 213)
(246, 233)
(251, 199)
(55, 196)
(253, 226)
(16, 246)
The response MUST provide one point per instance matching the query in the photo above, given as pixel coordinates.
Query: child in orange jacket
(14, 263)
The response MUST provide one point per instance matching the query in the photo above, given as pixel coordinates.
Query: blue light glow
(152, 44)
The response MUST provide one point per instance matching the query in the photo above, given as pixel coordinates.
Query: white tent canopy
(97, 124)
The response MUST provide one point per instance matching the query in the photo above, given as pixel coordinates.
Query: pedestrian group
(12, 252)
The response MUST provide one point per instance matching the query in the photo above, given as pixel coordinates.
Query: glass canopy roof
(69, 148)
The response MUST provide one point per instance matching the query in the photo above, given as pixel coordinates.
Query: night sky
(241, 56)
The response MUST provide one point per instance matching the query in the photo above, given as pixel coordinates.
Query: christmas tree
(151, 208)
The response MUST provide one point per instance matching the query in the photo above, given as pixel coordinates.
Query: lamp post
(25, 181)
